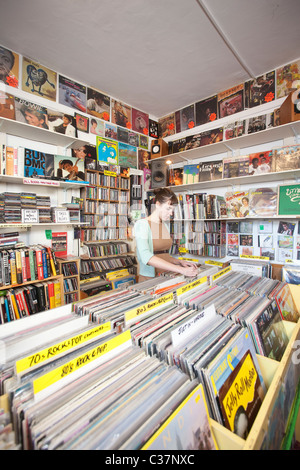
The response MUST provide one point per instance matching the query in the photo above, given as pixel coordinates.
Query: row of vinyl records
(107, 233)
(21, 302)
(279, 159)
(107, 249)
(30, 263)
(175, 367)
(260, 202)
(88, 266)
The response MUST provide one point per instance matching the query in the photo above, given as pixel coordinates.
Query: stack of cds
(43, 204)
(12, 207)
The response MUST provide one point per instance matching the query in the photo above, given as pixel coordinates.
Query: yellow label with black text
(86, 358)
(241, 392)
(110, 173)
(136, 312)
(255, 257)
(57, 349)
(221, 273)
(192, 285)
(214, 263)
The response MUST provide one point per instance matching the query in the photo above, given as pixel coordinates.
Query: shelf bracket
(296, 135)
(229, 148)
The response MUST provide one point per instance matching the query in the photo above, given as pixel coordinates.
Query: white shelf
(241, 180)
(43, 182)
(291, 129)
(20, 129)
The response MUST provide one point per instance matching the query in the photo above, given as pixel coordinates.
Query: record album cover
(38, 164)
(38, 79)
(241, 397)
(98, 104)
(72, 94)
(206, 110)
(9, 68)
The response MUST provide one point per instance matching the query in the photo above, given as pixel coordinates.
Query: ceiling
(155, 55)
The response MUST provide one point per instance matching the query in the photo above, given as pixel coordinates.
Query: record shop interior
(161, 141)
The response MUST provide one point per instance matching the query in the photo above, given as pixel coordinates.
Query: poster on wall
(231, 101)
(120, 114)
(107, 151)
(98, 104)
(140, 122)
(9, 67)
(72, 94)
(38, 79)
(260, 91)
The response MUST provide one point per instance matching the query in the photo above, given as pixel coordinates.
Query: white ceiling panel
(158, 55)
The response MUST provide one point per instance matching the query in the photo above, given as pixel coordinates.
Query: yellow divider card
(192, 285)
(86, 358)
(57, 349)
(136, 312)
(221, 273)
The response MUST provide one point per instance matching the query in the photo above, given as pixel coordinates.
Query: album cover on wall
(187, 118)
(260, 90)
(140, 121)
(127, 155)
(72, 94)
(98, 104)
(286, 78)
(120, 113)
(62, 123)
(231, 101)
(38, 79)
(167, 125)
(31, 113)
(212, 136)
(7, 105)
(206, 110)
(9, 71)
(260, 163)
(153, 129)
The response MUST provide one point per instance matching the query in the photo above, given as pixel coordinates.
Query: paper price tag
(40, 182)
(56, 349)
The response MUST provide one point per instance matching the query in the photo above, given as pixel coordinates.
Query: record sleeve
(263, 202)
(241, 396)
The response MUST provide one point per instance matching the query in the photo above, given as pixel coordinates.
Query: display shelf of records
(285, 131)
(69, 267)
(26, 131)
(105, 206)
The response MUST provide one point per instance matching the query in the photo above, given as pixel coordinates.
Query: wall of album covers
(91, 114)
(254, 93)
